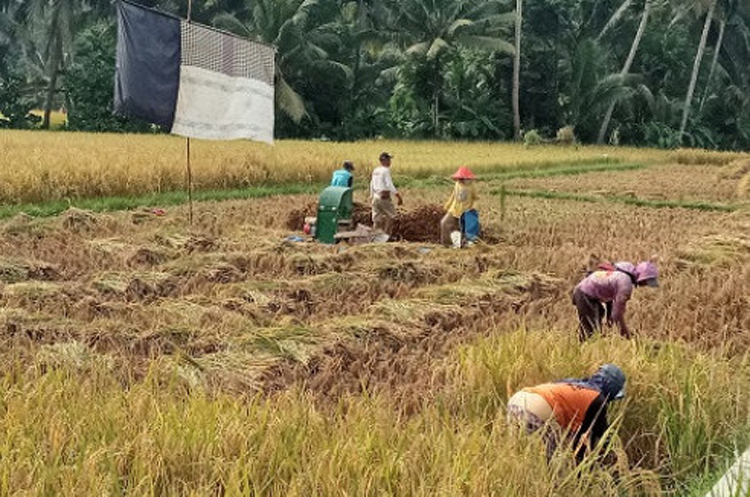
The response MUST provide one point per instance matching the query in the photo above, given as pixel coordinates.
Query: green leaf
(437, 46)
(486, 43)
(418, 48)
(289, 101)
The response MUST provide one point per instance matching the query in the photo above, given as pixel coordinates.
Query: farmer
(606, 291)
(460, 202)
(382, 190)
(573, 407)
(343, 177)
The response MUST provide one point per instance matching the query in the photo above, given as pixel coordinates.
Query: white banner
(214, 106)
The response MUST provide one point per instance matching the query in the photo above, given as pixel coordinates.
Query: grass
(172, 198)
(541, 170)
(567, 170)
(634, 201)
(110, 204)
(165, 199)
(71, 434)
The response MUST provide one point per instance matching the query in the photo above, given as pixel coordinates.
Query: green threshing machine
(335, 209)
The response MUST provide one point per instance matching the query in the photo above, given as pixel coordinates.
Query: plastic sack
(456, 239)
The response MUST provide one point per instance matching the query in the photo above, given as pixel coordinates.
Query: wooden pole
(189, 182)
(503, 193)
(187, 147)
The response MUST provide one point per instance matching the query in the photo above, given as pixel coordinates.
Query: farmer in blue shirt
(343, 177)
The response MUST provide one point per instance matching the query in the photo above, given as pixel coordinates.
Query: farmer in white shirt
(382, 190)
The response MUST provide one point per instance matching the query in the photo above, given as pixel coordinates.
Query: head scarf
(609, 380)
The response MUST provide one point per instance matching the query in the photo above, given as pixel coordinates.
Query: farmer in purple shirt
(607, 291)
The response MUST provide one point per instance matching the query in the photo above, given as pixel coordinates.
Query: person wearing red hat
(462, 199)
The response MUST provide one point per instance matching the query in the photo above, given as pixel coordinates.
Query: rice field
(47, 166)
(668, 181)
(145, 356)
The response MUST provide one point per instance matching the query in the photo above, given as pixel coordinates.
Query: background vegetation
(642, 72)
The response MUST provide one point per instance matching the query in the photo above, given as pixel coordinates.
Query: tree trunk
(517, 73)
(626, 67)
(435, 118)
(54, 70)
(714, 63)
(436, 99)
(696, 69)
(361, 14)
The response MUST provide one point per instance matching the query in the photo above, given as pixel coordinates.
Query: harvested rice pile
(419, 225)
(295, 220)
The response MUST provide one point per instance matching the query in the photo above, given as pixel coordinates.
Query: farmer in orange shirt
(576, 407)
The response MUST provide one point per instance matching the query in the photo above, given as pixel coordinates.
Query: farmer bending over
(606, 291)
(575, 407)
(461, 201)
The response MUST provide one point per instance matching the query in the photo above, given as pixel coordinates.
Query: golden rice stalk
(735, 169)
(743, 187)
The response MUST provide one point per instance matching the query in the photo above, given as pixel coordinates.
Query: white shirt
(382, 181)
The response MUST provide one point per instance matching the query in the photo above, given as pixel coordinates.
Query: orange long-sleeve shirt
(569, 402)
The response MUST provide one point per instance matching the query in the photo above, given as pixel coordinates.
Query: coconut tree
(629, 61)
(51, 25)
(373, 60)
(299, 37)
(591, 89)
(429, 29)
(8, 22)
(517, 73)
(727, 12)
(710, 10)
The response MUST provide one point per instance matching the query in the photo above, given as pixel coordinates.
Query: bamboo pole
(187, 147)
(189, 181)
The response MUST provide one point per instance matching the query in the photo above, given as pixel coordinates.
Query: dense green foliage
(620, 71)
(88, 83)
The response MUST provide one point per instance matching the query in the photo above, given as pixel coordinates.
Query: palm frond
(616, 17)
(289, 101)
(229, 22)
(333, 67)
(486, 43)
(419, 48)
(457, 25)
(436, 47)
